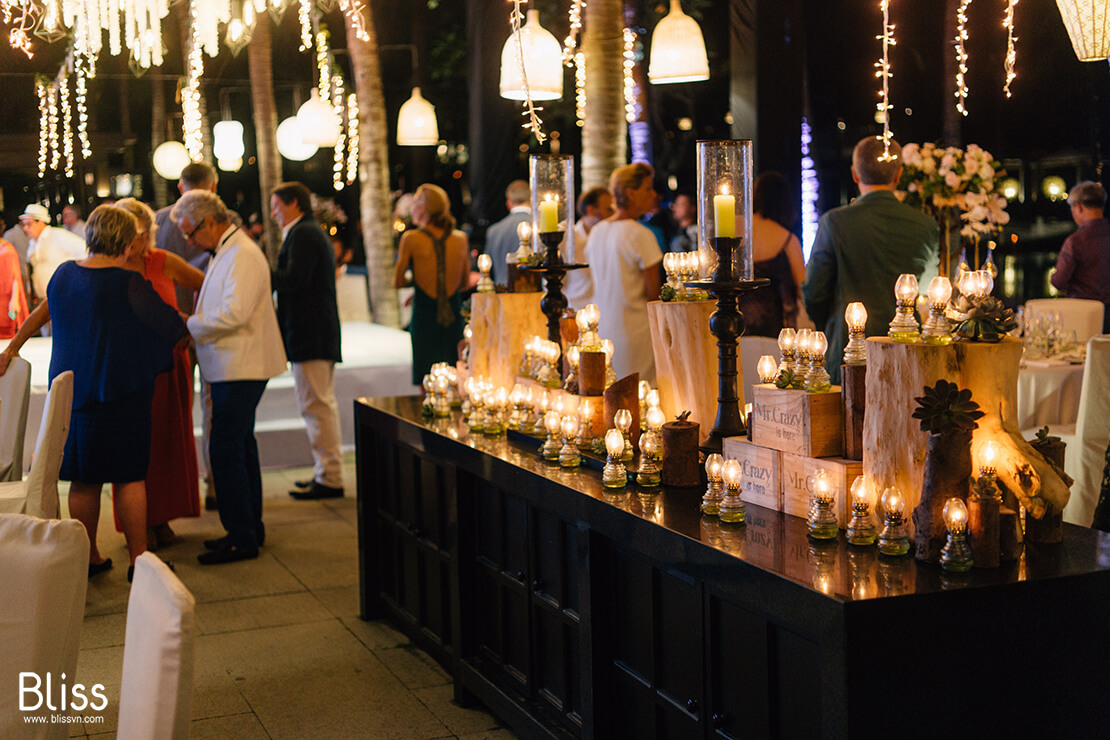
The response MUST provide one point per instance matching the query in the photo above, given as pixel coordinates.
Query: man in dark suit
(501, 237)
(309, 318)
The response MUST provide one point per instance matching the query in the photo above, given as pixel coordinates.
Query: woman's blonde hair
(437, 206)
(109, 230)
(142, 212)
(628, 177)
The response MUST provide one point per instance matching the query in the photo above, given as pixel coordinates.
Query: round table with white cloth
(1048, 393)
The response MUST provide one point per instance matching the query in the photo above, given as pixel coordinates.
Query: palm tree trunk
(373, 174)
(603, 136)
(265, 126)
(157, 137)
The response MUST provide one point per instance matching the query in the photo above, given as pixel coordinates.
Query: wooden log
(591, 373)
(853, 379)
(983, 530)
(1009, 535)
(681, 460)
(1050, 527)
(624, 394)
(894, 445)
(522, 281)
(500, 324)
(946, 475)
(686, 360)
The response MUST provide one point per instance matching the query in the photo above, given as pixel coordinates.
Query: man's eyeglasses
(189, 235)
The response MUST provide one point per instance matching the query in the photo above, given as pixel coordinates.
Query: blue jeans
(234, 454)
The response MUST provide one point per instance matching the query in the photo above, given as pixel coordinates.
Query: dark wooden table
(575, 611)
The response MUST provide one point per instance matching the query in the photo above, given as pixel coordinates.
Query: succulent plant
(785, 379)
(946, 408)
(1043, 437)
(666, 293)
(981, 319)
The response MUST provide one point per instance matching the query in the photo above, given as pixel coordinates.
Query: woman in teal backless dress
(437, 254)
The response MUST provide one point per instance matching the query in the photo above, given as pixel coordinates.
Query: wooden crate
(762, 477)
(797, 476)
(810, 424)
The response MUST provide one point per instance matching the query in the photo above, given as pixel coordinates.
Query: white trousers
(314, 384)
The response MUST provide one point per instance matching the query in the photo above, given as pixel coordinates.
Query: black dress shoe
(317, 491)
(210, 503)
(96, 568)
(217, 544)
(304, 483)
(227, 555)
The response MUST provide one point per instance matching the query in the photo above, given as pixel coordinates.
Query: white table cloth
(1048, 393)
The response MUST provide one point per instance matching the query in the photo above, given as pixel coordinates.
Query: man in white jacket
(239, 348)
(48, 247)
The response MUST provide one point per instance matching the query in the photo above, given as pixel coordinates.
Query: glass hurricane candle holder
(937, 329)
(861, 528)
(485, 264)
(894, 539)
(552, 181)
(569, 456)
(786, 347)
(768, 369)
(817, 379)
(725, 205)
(553, 445)
(821, 524)
(587, 319)
(955, 556)
(855, 316)
(647, 476)
(714, 490)
(622, 420)
(614, 474)
(732, 506)
(904, 327)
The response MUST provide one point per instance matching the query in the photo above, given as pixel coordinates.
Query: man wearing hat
(47, 248)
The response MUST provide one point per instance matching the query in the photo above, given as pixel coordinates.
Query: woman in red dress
(171, 480)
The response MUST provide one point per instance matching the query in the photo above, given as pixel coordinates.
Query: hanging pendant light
(543, 61)
(170, 158)
(1088, 24)
(291, 143)
(227, 140)
(319, 124)
(416, 123)
(677, 49)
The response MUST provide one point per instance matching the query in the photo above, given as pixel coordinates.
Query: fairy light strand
(530, 110)
(67, 119)
(883, 73)
(44, 125)
(580, 89)
(52, 124)
(1011, 46)
(352, 138)
(323, 66)
(961, 57)
(304, 15)
(353, 11)
(570, 43)
(190, 96)
(80, 97)
(629, 65)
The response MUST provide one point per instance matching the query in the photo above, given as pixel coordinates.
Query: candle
(724, 216)
(549, 214)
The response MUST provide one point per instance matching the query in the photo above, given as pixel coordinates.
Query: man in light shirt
(47, 247)
(71, 219)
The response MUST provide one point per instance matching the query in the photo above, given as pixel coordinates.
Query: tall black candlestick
(554, 303)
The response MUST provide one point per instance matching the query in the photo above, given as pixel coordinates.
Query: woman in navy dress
(116, 334)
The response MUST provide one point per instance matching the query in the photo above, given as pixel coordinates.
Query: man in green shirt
(862, 248)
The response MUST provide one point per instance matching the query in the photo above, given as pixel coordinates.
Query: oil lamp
(861, 529)
(817, 379)
(516, 398)
(568, 455)
(647, 475)
(551, 447)
(937, 330)
(610, 374)
(714, 491)
(787, 339)
(585, 425)
(614, 474)
(955, 557)
(855, 316)
(495, 411)
(821, 524)
(988, 455)
(570, 385)
(904, 327)
(732, 506)
(524, 234)
(894, 540)
(527, 420)
(485, 264)
(587, 319)
(622, 420)
(768, 369)
(442, 405)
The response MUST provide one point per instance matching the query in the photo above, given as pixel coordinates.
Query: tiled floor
(281, 652)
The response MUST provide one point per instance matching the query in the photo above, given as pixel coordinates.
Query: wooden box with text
(797, 483)
(761, 467)
(801, 423)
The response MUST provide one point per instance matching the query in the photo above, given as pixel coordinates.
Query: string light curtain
(1088, 24)
(677, 49)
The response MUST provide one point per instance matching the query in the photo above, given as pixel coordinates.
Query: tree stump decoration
(500, 324)
(894, 450)
(949, 415)
(1049, 528)
(853, 388)
(681, 461)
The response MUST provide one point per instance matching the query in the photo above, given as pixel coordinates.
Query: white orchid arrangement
(936, 179)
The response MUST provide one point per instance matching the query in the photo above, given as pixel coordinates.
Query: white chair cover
(352, 294)
(37, 494)
(1086, 452)
(1084, 316)
(43, 578)
(751, 349)
(15, 395)
(156, 693)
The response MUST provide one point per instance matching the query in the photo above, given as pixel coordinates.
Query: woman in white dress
(624, 259)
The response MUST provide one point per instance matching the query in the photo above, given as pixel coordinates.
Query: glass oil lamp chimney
(587, 319)
(904, 327)
(937, 329)
(955, 556)
(714, 491)
(855, 316)
(585, 425)
(861, 529)
(821, 524)
(442, 404)
(485, 264)
(569, 456)
(732, 506)
(768, 369)
(549, 375)
(647, 476)
(614, 474)
(570, 385)
(801, 358)
(477, 420)
(988, 455)
(524, 234)
(894, 539)
(817, 379)
(787, 338)
(516, 398)
(527, 418)
(495, 411)
(622, 420)
(552, 446)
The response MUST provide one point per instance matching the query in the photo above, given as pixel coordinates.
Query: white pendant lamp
(227, 140)
(319, 124)
(543, 60)
(677, 49)
(416, 123)
(1088, 24)
(170, 158)
(291, 144)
